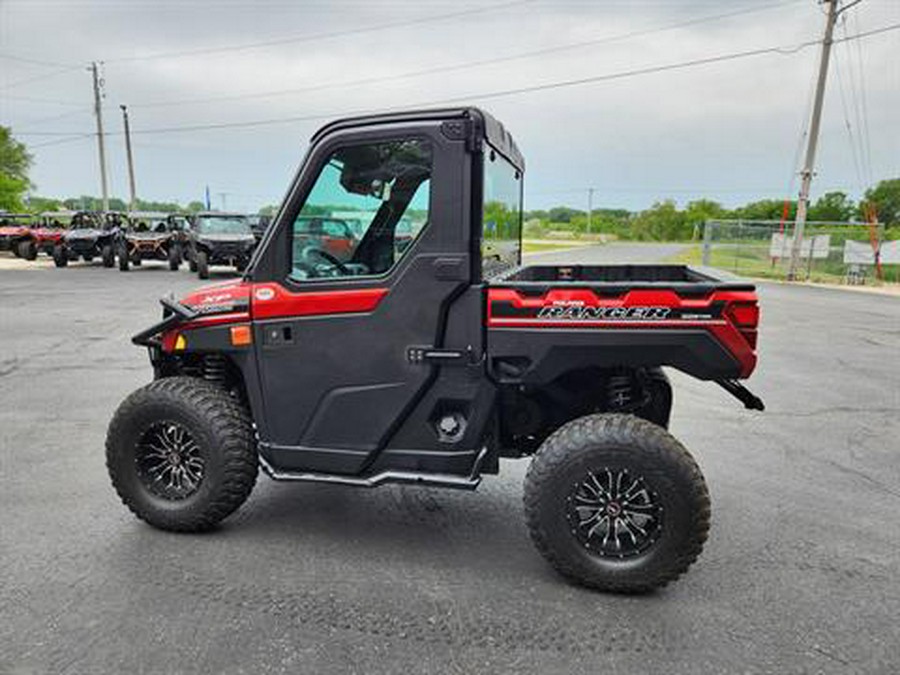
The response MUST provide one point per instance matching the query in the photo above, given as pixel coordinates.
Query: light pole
(131, 204)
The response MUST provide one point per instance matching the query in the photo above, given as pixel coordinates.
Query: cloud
(729, 131)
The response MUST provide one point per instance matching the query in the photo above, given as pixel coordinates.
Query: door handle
(278, 334)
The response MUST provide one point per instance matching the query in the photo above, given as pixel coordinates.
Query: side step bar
(469, 482)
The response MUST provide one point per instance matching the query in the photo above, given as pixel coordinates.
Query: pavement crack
(8, 367)
(829, 655)
(834, 409)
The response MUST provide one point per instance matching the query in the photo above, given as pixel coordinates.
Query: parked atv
(47, 233)
(150, 236)
(15, 229)
(259, 224)
(219, 239)
(92, 235)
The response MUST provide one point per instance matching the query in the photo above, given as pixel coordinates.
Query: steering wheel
(310, 251)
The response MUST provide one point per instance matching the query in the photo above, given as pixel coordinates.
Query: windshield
(223, 225)
(502, 216)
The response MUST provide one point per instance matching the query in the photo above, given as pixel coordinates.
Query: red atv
(47, 233)
(15, 230)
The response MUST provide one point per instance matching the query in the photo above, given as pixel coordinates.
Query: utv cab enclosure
(90, 235)
(216, 238)
(150, 236)
(429, 362)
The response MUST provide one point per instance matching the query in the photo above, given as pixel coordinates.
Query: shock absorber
(619, 391)
(214, 368)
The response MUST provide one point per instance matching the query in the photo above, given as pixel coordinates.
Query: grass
(752, 260)
(539, 246)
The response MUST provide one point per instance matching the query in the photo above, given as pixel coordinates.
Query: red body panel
(731, 316)
(238, 301)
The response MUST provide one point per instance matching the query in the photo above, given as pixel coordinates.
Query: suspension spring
(214, 368)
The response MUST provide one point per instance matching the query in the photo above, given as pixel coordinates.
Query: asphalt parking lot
(800, 574)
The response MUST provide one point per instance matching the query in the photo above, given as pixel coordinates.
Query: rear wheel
(60, 257)
(202, 263)
(108, 255)
(174, 257)
(616, 503)
(27, 249)
(181, 454)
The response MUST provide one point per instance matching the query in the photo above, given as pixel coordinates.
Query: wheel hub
(613, 513)
(169, 461)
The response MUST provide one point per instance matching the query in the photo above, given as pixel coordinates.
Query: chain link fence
(846, 253)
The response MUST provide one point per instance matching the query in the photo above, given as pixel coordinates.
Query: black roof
(485, 125)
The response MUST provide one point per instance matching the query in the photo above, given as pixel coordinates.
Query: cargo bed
(541, 318)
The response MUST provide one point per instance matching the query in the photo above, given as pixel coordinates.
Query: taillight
(745, 317)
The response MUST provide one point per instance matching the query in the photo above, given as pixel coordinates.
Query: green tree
(196, 207)
(14, 165)
(885, 199)
(662, 222)
(765, 209)
(563, 214)
(269, 210)
(40, 204)
(833, 206)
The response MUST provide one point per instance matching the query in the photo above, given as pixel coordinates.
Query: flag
(208, 206)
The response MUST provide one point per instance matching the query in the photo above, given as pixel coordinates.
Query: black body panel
(344, 395)
(540, 355)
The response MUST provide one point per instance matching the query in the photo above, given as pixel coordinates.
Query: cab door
(338, 339)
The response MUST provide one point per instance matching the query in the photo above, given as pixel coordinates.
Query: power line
(467, 64)
(866, 139)
(52, 118)
(854, 149)
(318, 36)
(32, 99)
(37, 62)
(521, 90)
(60, 141)
(36, 78)
(788, 50)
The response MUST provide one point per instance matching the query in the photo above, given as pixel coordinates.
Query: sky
(262, 76)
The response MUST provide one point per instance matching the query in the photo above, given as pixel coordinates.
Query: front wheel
(108, 255)
(202, 264)
(616, 503)
(174, 257)
(181, 454)
(60, 257)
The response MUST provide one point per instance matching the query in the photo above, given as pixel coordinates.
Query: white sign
(858, 253)
(780, 246)
(890, 252)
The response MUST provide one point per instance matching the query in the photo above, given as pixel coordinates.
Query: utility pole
(133, 202)
(224, 198)
(98, 112)
(806, 175)
(590, 208)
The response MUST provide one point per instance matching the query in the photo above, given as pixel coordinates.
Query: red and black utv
(427, 364)
(90, 235)
(49, 232)
(15, 230)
